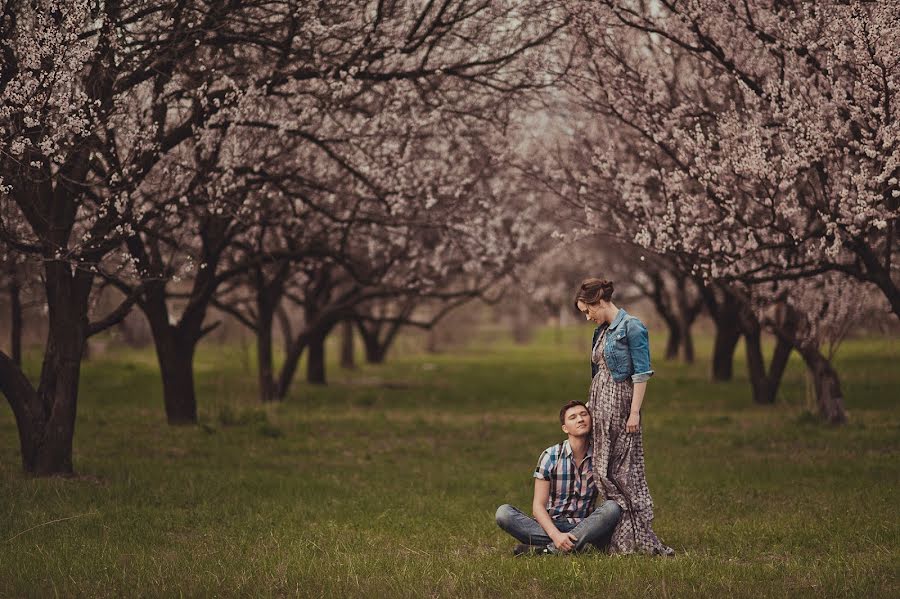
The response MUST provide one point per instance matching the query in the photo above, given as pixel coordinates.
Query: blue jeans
(596, 529)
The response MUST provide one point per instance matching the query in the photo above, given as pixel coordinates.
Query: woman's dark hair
(567, 407)
(594, 290)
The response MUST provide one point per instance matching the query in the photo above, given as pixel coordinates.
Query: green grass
(385, 482)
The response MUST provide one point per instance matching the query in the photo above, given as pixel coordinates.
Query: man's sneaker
(525, 549)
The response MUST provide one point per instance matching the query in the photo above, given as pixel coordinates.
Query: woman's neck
(611, 312)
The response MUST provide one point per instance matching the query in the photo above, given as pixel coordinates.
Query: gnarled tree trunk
(765, 384)
(289, 368)
(829, 397)
(175, 354)
(375, 351)
(725, 310)
(175, 347)
(315, 359)
(264, 362)
(673, 341)
(45, 417)
(727, 336)
(347, 358)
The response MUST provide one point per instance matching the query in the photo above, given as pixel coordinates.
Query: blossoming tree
(763, 136)
(92, 97)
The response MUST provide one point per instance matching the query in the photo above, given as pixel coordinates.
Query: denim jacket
(627, 349)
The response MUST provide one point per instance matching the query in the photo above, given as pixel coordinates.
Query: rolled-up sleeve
(544, 466)
(639, 346)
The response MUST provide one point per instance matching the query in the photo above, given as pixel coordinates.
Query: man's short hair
(567, 407)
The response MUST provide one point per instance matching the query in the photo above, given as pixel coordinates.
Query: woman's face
(591, 312)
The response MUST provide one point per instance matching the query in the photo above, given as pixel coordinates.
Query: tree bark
(27, 408)
(522, 328)
(765, 385)
(175, 346)
(763, 389)
(687, 312)
(829, 397)
(727, 336)
(673, 342)
(289, 368)
(431, 343)
(315, 359)
(677, 310)
(265, 369)
(374, 353)
(45, 417)
(15, 316)
(378, 345)
(374, 350)
(687, 344)
(176, 363)
(725, 310)
(347, 360)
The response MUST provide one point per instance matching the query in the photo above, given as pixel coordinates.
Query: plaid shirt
(572, 488)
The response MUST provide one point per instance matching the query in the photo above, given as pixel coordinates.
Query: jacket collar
(620, 316)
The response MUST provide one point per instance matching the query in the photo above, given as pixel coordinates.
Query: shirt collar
(567, 450)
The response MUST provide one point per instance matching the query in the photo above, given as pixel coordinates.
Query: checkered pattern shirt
(572, 488)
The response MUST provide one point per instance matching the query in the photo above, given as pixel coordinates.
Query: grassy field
(385, 482)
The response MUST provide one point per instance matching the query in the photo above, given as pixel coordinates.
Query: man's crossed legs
(595, 530)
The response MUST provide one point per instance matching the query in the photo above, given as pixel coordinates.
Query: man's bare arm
(563, 541)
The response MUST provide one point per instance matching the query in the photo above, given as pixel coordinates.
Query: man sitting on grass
(564, 494)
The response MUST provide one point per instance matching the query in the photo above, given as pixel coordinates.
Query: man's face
(577, 421)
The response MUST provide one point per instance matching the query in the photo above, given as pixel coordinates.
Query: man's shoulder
(554, 451)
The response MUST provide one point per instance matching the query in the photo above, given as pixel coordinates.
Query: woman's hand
(633, 423)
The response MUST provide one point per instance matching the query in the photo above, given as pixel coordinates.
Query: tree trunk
(347, 361)
(177, 369)
(175, 353)
(674, 340)
(431, 342)
(727, 336)
(374, 353)
(45, 417)
(289, 368)
(829, 397)
(687, 312)
(687, 344)
(265, 370)
(765, 386)
(15, 317)
(522, 330)
(725, 310)
(27, 408)
(315, 360)
(67, 301)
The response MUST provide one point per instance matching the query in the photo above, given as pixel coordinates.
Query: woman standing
(620, 368)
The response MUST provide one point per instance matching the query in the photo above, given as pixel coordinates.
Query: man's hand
(565, 541)
(633, 423)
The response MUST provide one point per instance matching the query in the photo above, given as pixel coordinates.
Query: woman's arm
(639, 347)
(634, 418)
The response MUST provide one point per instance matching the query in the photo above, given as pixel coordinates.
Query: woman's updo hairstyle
(593, 290)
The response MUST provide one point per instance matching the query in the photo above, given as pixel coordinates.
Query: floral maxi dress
(619, 461)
